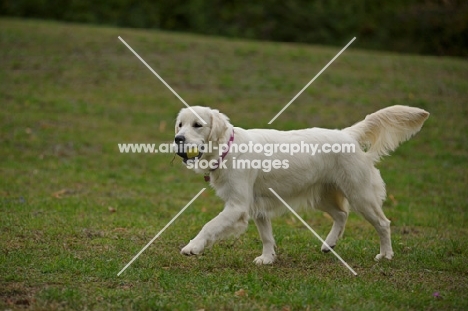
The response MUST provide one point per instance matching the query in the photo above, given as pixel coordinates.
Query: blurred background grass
(435, 27)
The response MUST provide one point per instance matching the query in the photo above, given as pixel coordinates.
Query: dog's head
(192, 136)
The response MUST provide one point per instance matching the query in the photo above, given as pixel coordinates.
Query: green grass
(70, 93)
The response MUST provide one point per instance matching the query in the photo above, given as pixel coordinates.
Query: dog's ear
(219, 126)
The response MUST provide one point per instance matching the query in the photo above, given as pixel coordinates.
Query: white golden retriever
(333, 182)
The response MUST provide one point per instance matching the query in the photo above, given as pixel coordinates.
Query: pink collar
(223, 155)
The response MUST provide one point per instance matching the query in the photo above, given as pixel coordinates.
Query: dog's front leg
(232, 221)
(266, 233)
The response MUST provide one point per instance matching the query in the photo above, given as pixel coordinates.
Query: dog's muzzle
(187, 151)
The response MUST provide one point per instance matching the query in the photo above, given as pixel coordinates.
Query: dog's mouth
(188, 152)
(185, 158)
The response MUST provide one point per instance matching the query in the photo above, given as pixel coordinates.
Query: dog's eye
(196, 124)
(180, 124)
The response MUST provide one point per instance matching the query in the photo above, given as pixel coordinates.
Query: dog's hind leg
(335, 204)
(376, 217)
(368, 201)
(266, 234)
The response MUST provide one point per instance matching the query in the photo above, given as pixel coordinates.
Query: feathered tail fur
(382, 131)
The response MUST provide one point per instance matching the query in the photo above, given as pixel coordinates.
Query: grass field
(74, 211)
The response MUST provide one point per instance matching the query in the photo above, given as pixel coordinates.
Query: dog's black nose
(179, 139)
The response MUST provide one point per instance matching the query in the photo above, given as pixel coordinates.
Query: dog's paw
(265, 259)
(325, 248)
(193, 248)
(387, 255)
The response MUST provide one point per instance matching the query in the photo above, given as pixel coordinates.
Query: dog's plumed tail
(382, 131)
